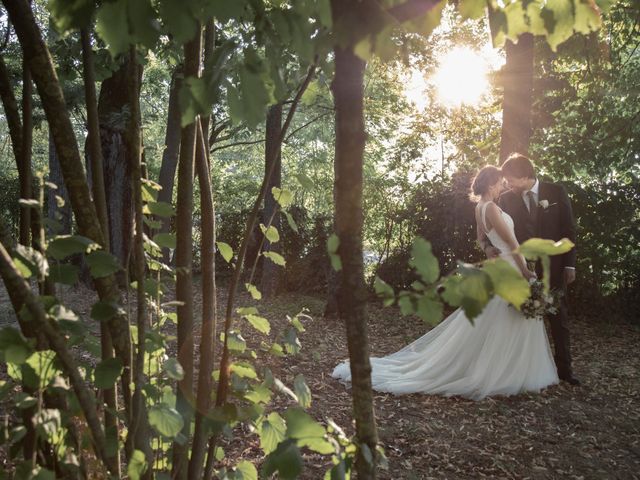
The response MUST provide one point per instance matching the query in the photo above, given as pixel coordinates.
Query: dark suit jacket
(554, 223)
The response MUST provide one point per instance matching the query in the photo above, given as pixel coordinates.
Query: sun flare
(461, 77)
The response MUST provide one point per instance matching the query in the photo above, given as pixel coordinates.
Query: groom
(541, 209)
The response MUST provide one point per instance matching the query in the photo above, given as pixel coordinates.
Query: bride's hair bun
(484, 179)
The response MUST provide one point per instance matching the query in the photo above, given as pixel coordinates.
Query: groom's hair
(518, 166)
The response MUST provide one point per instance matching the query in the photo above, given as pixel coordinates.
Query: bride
(502, 353)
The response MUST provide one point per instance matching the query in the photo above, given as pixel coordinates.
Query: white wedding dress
(502, 353)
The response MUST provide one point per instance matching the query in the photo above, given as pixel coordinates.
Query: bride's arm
(497, 222)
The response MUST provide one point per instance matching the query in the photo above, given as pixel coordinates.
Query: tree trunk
(99, 197)
(209, 300)
(518, 97)
(272, 273)
(24, 167)
(113, 111)
(44, 75)
(209, 307)
(63, 213)
(171, 151)
(348, 91)
(184, 257)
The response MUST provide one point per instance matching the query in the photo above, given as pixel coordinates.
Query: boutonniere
(544, 204)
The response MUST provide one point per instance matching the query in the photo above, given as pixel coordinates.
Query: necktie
(533, 207)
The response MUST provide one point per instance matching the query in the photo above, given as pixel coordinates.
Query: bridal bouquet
(539, 303)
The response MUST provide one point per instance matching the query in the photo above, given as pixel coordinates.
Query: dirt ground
(586, 432)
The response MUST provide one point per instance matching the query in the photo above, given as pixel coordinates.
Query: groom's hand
(569, 275)
(491, 251)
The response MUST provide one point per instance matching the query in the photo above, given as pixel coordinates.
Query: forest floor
(586, 432)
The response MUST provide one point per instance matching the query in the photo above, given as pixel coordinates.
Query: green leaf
(65, 274)
(174, 369)
(333, 243)
(245, 471)
(305, 182)
(142, 22)
(236, 342)
(302, 391)
(34, 261)
(272, 431)
(285, 459)
(475, 290)
(103, 311)
(423, 261)
(384, 291)
(112, 25)
(259, 323)
(23, 268)
(178, 20)
(271, 233)
(255, 293)
(71, 15)
(102, 264)
(258, 394)
(167, 240)
(247, 311)
(275, 258)
(15, 347)
(150, 190)
(137, 465)
(291, 222)
(284, 197)
(473, 9)
(429, 308)
(534, 248)
(244, 370)
(165, 420)
(43, 366)
(107, 372)
(301, 425)
(161, 209)
(225, 250)
(507, 281)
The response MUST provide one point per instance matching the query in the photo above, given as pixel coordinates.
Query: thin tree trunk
(518, 97)
(171, 151)
(139, 428)
(184, 257)
(24, 168)
(61, 129)
(62, 213)
(97, 184)
(348, 92)
(272, 273)
(11, 111)
(209, 307)
(209, 292)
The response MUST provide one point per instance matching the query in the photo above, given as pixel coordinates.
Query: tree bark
(11, 111)
(184, 257)
(171, 151)
(114, 109)
(272, 273)
(24, 167)
(62, 213)
(517, 79)
(348, 92)
(209, 292)
(209, 307)
(44, 75)
(99, 197)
